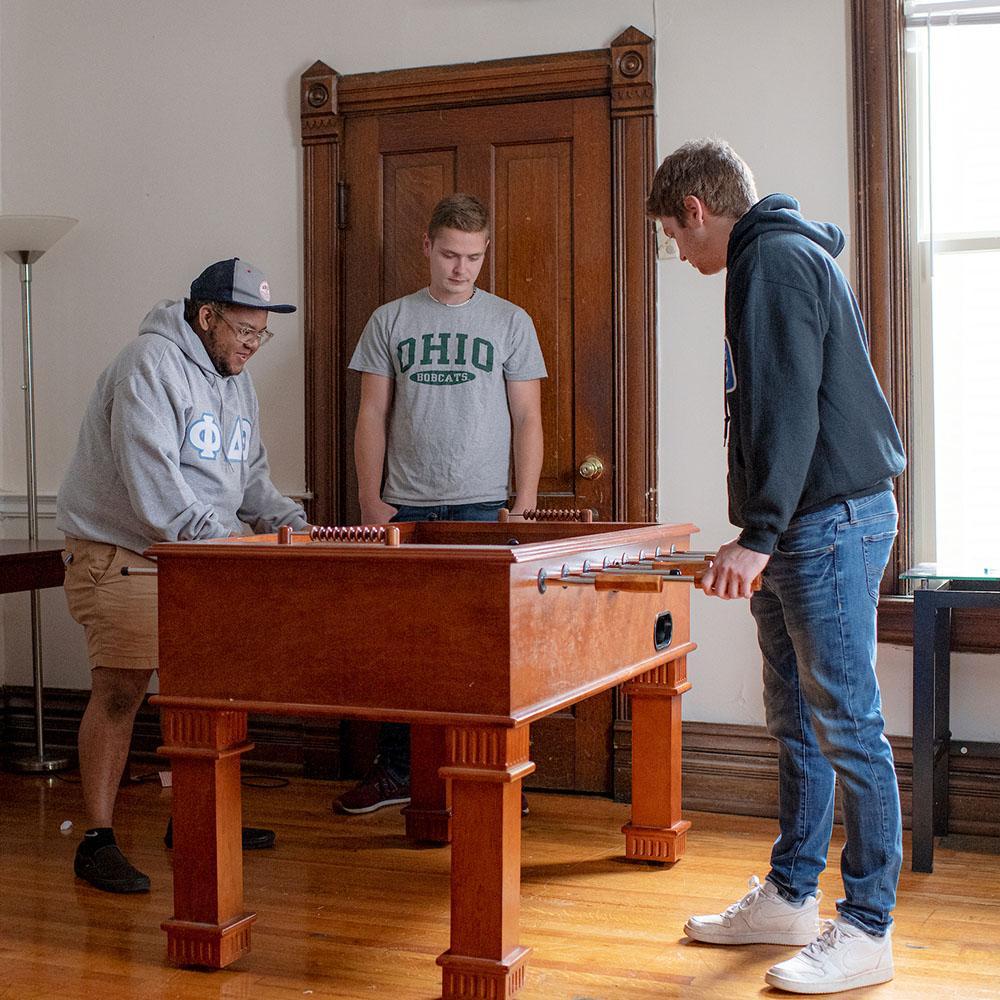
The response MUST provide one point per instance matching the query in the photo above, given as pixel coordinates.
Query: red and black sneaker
(379, 788)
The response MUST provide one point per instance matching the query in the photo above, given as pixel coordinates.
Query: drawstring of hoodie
(728, 385)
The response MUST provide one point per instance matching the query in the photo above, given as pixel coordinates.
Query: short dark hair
(709, 169)
(193, 306)
(464, 212)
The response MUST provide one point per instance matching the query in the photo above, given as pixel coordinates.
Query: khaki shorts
(118, 613)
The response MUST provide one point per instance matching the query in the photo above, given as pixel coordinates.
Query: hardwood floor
(347, 909)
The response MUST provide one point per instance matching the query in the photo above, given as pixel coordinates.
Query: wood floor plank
(348, 909)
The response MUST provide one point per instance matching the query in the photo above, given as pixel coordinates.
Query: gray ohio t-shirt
(449, 432)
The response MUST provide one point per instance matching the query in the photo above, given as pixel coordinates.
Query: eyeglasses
(246, 335)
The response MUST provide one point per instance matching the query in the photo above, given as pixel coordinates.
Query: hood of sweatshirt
(166, 319)
(779, 213)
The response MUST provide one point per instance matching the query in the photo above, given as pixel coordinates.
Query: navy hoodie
(808, 424)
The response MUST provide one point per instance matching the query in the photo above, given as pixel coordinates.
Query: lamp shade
(24, 238)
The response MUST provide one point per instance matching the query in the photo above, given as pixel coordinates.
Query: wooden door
(543, 169)
(560, 150)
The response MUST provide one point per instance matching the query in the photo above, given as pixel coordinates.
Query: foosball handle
(630, 582)
(697, 570)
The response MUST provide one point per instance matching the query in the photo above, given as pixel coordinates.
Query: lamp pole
(39, 232)
(40, 760)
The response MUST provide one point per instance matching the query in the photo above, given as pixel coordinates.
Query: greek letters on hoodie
(808, 423)
(169, 450)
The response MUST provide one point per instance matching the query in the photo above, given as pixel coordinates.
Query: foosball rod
(634, 581)
(633, 578)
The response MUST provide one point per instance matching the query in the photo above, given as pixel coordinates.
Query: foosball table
(468, 631)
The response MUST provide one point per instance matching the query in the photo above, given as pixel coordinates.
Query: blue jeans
(815, 617)
(394, 737)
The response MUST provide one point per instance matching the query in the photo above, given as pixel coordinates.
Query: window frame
(883, 285)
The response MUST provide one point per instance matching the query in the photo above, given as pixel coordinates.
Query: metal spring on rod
(560, 514)
(338, 533)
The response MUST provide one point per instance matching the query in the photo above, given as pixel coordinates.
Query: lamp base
(33, 764)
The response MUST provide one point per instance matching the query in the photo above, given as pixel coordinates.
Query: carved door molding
(623, 72)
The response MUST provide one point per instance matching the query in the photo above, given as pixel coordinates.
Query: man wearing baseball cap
(169, 450)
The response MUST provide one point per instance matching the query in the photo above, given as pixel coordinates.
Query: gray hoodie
(169, 449)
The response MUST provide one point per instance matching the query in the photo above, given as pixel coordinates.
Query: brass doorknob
(591, 468)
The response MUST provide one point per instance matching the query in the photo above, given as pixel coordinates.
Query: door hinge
(342, 188)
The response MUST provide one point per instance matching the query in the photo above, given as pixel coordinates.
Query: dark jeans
(394, 737)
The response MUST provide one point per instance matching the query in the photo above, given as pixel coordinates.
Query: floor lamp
(24, 238)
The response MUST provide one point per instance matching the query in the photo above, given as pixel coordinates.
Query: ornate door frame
(623, 72)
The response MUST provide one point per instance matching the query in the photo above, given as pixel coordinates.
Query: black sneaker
(255, 838)
(378, 789)
(108, 869)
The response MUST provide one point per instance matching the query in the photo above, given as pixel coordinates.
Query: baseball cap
(236, 281)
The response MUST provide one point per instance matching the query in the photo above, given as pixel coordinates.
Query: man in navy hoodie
(169, 450)
(813, 450)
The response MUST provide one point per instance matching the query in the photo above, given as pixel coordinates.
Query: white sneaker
(760, 917)
(843, 957)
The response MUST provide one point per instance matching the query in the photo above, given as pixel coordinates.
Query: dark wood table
(28, 565)
(456, 631)
(938, 593)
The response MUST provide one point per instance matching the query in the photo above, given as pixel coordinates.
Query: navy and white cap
(238, 282)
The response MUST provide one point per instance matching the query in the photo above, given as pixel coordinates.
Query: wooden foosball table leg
(210, 926)
(485, 765)
(656, 831)
(428, 816)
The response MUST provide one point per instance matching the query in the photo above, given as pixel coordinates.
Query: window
(953, 160)
(882, 247)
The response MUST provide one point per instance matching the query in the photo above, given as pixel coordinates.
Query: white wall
(772, 77)
(171, 132)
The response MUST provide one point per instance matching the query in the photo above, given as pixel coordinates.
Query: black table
(938, 593)
(33, 565)
(28, 565)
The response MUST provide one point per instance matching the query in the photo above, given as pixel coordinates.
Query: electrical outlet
(666, 248)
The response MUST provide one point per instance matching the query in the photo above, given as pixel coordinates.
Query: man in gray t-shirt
(453, 374)
(450, 378)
